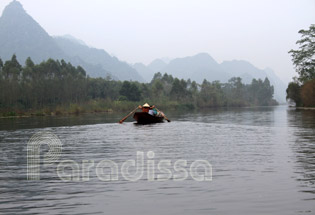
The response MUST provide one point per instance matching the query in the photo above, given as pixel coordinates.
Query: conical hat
(146, 105)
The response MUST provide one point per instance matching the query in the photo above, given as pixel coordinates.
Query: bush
(308, 93)
(294, 94)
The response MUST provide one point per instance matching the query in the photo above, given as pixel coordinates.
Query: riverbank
(93, 106)
(305, 108)
(99, 106)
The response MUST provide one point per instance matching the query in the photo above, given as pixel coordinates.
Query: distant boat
(146, 118)
(149, 114)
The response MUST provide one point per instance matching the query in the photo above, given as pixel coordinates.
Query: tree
(53, 82)
(308, 93)
(234, 91)
(158, 88)
(211, 94)
(27, 83)
(145, 91)
(301, 90)
(157, 76)
(237, 86)
(12, 69)
(179, 90)
(267, 92)
(11, 75)
(193, 88)
(293, 93)
(166, 78)
(130, 91)
(261, 92)
(304, 58)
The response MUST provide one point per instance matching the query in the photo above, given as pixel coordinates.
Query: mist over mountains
(203, 66)
(20, 34)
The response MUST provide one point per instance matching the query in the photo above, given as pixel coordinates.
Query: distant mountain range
(203, 66)
(20, 34)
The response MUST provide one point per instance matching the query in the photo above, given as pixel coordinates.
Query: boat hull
(146, 118)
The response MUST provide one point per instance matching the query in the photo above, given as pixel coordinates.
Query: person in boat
(153, 111)
(146, 108)
(149, 109)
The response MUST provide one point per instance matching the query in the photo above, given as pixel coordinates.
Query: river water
(262, 161)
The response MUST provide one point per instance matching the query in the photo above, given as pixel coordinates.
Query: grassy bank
(102, 105)
(93, 106)
(305, 108)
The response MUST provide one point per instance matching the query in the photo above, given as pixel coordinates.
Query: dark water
(263, 162)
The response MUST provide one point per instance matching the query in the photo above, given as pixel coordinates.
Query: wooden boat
(146, 118)
(149, 114)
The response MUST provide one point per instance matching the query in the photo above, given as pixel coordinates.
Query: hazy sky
(260, 31)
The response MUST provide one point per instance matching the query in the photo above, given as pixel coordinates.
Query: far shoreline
(305, 108)
(122, 107)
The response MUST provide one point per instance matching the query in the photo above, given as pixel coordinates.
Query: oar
(163, 115)
(123, 119)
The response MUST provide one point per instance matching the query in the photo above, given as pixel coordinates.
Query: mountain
(203, 66)
(147, 72)
(157, 65)
(243, 69)
(20, 34)
(75, 49)
(279, 86)
(166, 59)
(198, 67)
(73, 39)
(247, 72)
(144, 71)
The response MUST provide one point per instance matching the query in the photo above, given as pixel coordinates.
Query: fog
(261, 32)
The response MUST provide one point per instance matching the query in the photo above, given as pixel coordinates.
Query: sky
(259, 31)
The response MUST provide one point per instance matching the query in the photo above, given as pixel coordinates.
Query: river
(262, 162)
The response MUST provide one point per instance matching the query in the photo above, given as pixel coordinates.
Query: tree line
(55, 82)
(212, 94)
(301, 90)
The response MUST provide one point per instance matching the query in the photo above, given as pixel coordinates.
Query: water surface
(263, 162)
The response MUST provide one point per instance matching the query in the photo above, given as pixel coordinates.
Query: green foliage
(304, 62)
(10, 73)
(157, 76)
(236, 92)
(34, 86)
(157, 88)
(130, 91)
(211, 95)
(308, 93)
(293, 93)
(303, 58)
(260, 92)
(55, 86)
(179, 90)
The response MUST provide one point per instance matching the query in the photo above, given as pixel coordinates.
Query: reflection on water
(262, 159)
(303, 122)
